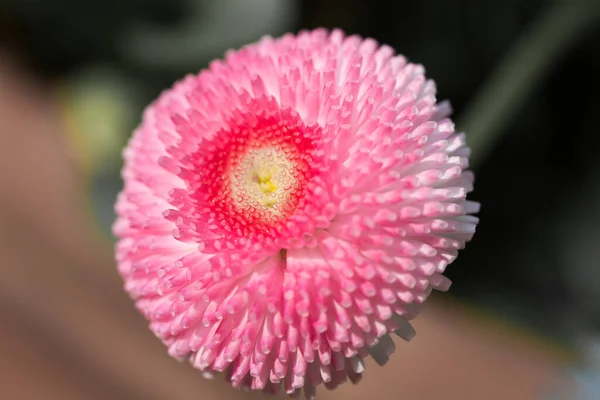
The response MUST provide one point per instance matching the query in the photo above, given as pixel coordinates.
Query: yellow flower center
(264, 179)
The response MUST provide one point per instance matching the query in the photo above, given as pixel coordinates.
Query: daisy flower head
(288, 208)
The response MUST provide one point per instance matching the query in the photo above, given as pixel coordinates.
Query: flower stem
(521, 72)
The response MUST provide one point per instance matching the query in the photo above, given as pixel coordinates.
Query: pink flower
(288, 208)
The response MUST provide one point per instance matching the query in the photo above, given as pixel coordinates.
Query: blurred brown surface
(68, 331)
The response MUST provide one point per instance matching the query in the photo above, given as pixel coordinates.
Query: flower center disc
(254, 175)
(264, 175)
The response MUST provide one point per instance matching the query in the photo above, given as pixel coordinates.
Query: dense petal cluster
(289, 207)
